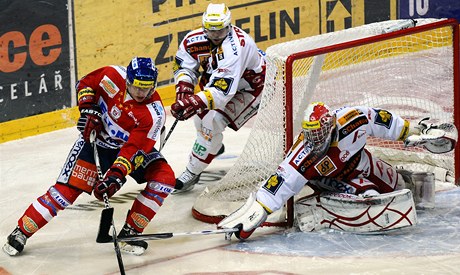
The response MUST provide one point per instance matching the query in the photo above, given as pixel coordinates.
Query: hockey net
(412, 72)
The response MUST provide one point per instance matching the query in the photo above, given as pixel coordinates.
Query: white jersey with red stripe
(345, 167)
(234, 65)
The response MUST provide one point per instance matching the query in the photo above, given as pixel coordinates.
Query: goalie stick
(107, 212)
(160, 236)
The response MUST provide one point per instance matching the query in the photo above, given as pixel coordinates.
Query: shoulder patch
(383, 118)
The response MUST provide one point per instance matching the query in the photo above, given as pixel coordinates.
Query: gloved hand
(187, 107)
(424, 126)
(111, 183)
(90, 119)
(184, 90)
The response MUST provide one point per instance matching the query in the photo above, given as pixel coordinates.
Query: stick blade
(103, 235)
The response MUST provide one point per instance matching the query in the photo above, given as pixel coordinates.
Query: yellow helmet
(216, 17)
(216, 22)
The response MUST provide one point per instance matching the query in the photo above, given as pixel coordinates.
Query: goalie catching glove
(246, 219)
(436, 139)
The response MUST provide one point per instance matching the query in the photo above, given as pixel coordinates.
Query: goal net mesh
(410, 75)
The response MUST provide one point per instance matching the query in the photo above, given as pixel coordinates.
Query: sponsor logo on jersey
(233, 44)
(131, 115)
(299, 157)
(383, 118)
(71, 160)
(344, 155)
(115, 112)
(273, 183)
(140, 220)
(350, 167)
(202, 48)
(359, 134)
(196, 39)
(222, 84)
(138, 160)
(143, 159)
(352, 126)
(114, 131)
(109, 86)
(348, 116)
(325, 166)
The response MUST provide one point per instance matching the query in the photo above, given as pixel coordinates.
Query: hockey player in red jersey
(123, 107)
(231, 82)
(330, 155)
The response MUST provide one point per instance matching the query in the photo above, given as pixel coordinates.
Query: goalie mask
(216, 22)
(317, 126)
(141, 78)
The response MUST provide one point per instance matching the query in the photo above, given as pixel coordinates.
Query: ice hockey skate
(15, 242)
(131, 247)
(186, 182)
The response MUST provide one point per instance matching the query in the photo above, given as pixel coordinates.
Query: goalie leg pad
(422, 185)
(351, 213)
(247, 218)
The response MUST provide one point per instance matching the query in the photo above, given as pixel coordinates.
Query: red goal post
(413, 72)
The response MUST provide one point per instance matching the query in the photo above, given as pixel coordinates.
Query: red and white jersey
(237, 64)
(346, 167)
(128, 125)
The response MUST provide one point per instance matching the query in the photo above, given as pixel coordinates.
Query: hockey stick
(169, 133)
(161, 236)
(107, 212)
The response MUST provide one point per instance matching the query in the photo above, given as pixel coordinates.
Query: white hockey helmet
(317, 126)
(216, 22)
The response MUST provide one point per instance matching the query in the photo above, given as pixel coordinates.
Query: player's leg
(160, 183)
(38, 214)
(208, 145)
(77, 175)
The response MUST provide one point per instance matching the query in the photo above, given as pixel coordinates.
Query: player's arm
(141, 139)
(186, 73)
(87, 98)
(218, 92)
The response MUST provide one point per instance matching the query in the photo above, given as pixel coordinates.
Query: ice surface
(67, 244)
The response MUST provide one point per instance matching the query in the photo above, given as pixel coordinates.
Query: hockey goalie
(353, 189)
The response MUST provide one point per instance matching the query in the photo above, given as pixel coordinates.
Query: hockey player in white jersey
(330, 155)
(230, 71)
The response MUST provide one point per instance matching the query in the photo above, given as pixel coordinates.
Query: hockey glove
(90, 119)
(111, 183)
(246, 219)
(437, 139)
(187, 107)
(183, 90)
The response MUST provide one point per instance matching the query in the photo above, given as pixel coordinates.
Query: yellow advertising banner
(109, 32)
